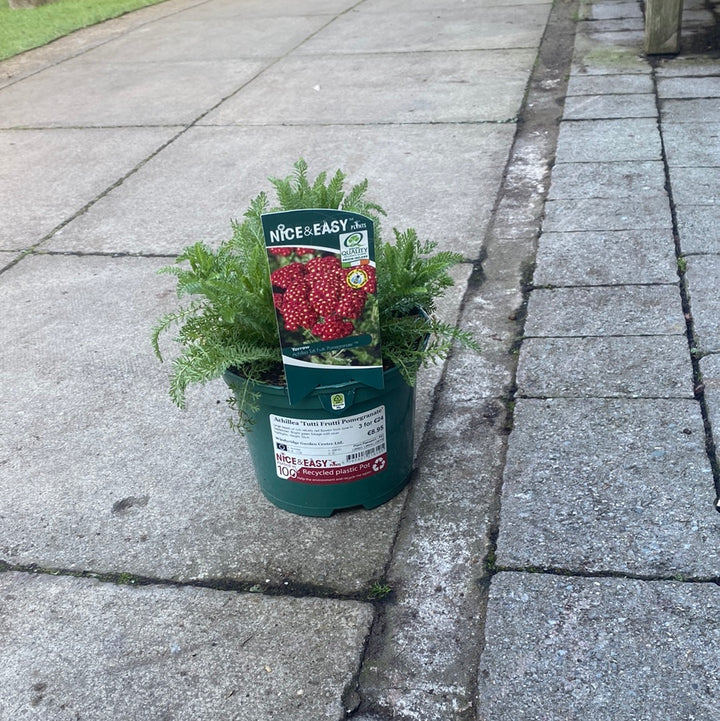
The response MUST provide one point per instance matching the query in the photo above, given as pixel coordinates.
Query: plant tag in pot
(322, 270)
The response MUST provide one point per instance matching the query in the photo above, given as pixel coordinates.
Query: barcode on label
(367, 453)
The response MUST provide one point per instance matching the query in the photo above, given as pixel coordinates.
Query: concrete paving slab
(78, 93)
(605, 367)
(614, 9)
(164, 206)
(622, 37)
(33, 61)
(600, 141)
(608, 180)
(181, 39)
(684, 65)
(176, 509)
(698, 228)
(524, 223)
(605, 258)
(703, 279)
(702, 110)
(689, 87)
(85, 164)
(7, 257)
(490, 314)
(583, 107)
(490, 367)
(692, 146)
(696, 186)
(77, 648)
(115, 478)
(265, 9)
(461, 27)
(620, 30)
(648, 310)
(710, 373)
(603, 214)
(595, 56)
(383, 6)
(520, 208)
(608, 649)
(625, 84)
(609, 485)
(695, 24)
(463, 86)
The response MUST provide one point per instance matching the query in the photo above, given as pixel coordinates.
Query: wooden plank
(662, 26)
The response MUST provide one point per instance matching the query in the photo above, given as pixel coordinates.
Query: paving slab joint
(579, 573)
(287, 588)
(490, 567)
(85, 208)
(14, 261)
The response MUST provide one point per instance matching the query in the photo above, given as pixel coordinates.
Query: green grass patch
(28, 28)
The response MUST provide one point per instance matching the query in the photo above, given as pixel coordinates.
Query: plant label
(322, 271)
(330, 450)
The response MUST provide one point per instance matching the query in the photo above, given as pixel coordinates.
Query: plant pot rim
(231, 374)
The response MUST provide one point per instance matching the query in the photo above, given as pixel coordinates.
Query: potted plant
(238, 296)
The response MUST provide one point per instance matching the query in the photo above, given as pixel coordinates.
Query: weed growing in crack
(379, 591)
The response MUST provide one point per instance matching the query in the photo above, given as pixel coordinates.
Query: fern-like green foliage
(230, 322)
(410, 279)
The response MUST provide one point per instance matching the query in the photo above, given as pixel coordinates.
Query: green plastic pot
(342, 446)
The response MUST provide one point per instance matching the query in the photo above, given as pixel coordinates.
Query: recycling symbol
(379, 464)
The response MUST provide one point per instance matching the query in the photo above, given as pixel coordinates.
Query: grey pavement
(557, 553)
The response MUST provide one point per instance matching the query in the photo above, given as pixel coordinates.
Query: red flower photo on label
(317, 294)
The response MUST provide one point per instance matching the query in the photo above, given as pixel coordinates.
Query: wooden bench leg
(662, 26)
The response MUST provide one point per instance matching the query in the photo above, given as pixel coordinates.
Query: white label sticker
(331, 450)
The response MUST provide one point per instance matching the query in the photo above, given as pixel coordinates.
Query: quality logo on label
(354, 247)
